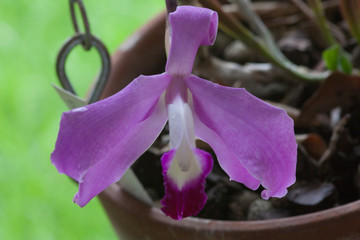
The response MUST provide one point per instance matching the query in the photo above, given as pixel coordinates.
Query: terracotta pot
(144, 54)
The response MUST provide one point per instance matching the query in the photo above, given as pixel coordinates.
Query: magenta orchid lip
(254, 142)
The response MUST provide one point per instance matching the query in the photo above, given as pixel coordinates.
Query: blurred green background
(36, 201)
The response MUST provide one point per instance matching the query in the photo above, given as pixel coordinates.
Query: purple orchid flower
(253, 141)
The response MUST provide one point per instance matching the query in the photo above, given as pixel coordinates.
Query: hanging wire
(87, 40)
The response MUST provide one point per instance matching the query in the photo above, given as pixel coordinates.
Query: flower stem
(257, 24)
(321, 21)
(264, 43)
(350, 10)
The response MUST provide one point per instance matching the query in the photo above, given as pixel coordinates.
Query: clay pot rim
(118, 196)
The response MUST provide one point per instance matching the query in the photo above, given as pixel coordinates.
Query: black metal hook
(87, 40)
(86, 44)
(105, 62)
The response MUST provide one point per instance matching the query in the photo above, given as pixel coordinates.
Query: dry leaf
(338, 90)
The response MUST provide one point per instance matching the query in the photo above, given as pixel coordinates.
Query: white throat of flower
(184, 166)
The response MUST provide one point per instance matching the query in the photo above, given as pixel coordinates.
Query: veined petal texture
(254, 141)
(99, 142)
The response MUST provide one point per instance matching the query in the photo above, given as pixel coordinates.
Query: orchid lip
(189, 198)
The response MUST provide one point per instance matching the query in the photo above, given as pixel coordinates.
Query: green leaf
(331, 56)
(69, 99)
(336, 59)
(345, 62)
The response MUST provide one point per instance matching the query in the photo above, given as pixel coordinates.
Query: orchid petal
(190, 27)
(227, 159)
(99, 142)
(254, 135)
(185, 191)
